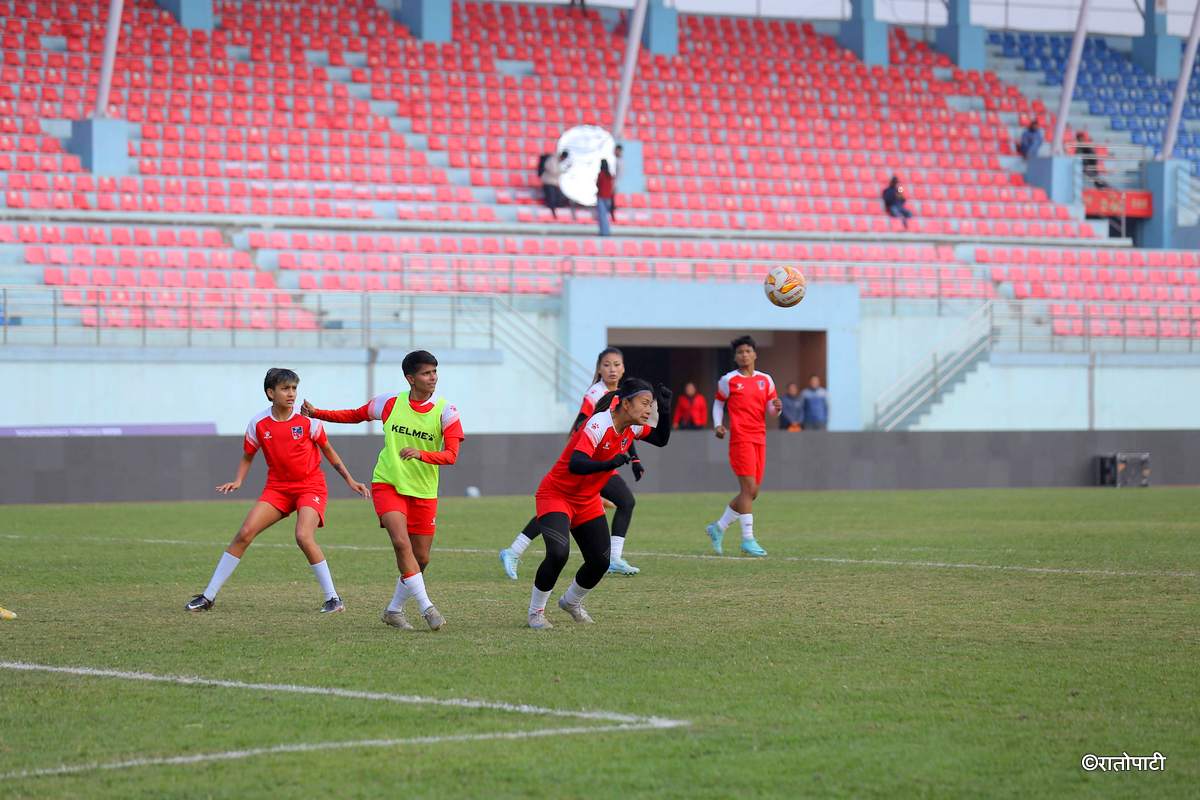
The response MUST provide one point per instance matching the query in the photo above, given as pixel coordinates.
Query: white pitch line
(231, 755)
(1118, 573)
(621, 722)
(354, 694)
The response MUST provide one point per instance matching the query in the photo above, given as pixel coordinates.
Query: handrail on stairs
(934, 370)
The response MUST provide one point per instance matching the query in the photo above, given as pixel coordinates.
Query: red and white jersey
(598, 440)
(292, 448)
(380, 407)
(591, 397)
(746, 399)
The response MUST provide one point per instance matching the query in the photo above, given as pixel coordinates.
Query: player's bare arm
(335, 461)
(242, 470)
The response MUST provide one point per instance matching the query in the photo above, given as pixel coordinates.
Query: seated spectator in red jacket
(691, 410)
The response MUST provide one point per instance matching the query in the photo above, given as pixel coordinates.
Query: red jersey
(591, 397)
(598, 440)
(746, 399)
(692, 409)
(604, 186)
(292, 448)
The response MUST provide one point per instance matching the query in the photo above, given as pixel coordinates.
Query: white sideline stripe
(1117, 573)
(456, 702)
(231, 755)
(883, 562)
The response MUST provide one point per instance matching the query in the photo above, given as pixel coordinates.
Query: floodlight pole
(1181, 88)
(632, 45)
(1068, 91)
(112, 34)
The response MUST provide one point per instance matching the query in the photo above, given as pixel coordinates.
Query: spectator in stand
(815, 402)
(581, 3)
(604, 195)
(1091, 164)
(691, 410)
(792, 416)
(894, 200)
(549, 171)
(616, 173)
(1031, 141)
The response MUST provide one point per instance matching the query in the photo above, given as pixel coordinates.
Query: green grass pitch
(893, 644)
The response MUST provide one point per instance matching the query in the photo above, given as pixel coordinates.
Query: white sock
(416, 588)
(520, 544)
(537, 600)
(400, 595)
(727, 518)
(225, 568)
(325, 579)
(616, 545)
(575, 594)
(747, 521)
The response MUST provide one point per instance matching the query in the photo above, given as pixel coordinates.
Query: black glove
(638, 469)
(665, 396)
(618, 461)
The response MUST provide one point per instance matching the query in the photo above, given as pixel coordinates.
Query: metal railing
(193, 318)
(1120, 166)
(924, 381)
(1038, 327)
(1187, 199)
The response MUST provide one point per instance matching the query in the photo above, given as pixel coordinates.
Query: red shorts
(286, 499)
(420, 512)
(748, 459)
(577, 512)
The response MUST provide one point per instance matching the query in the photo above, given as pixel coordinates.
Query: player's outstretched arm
(345, 415)
(335, 461)
(580, 464)
(242, 470)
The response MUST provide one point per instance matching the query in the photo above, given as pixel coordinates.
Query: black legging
(617, 492)
(592, 538)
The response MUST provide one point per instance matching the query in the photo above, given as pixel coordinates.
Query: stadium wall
(1051, 392)
(891, 346)
(164, 468)
(113, 386)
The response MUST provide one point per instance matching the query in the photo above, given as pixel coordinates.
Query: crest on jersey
(297, 432)
(266, 434)
(762, 384)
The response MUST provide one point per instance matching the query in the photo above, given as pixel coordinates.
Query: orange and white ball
(785, 286)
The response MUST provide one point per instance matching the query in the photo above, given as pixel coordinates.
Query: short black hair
(741, 340)
(417, 359)
(278, 375)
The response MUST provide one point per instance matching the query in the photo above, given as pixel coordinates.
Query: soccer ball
(785, 286)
